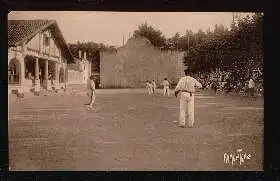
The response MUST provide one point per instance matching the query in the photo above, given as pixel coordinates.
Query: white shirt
(165, 83)
(251, 83)
(188, 83)
(91, 85)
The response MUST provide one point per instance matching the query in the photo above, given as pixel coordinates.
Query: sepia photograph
(135, 91)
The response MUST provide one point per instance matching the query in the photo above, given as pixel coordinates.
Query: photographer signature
(236, 157)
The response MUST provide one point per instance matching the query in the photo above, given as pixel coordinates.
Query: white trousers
(92, 98)
(187, 103)
(165, 90)
(149, 90)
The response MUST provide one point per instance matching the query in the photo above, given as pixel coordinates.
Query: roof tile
(18, 30)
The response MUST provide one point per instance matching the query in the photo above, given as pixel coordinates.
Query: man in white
(251, 87)
(154, 86)
(148, 87)
(186, 87)
(92, 91)
(165, 87)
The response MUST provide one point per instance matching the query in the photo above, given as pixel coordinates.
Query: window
(55, 50)
(46, 40)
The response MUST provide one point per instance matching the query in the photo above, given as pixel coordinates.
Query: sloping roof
(23, 30)
(138, 41)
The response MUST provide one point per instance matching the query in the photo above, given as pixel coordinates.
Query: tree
(91, 48)
(240, 47)
(175, 41)
(155, 36)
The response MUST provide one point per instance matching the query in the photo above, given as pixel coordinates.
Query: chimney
(85, 55)
(80, 54)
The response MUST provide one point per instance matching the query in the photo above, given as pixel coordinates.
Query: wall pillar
(56, 81)
(37, 80)
(65, 75)
(46, 76)
(22, 72)
(89, 69)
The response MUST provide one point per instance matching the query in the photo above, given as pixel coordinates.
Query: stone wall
(79, 72)
(74, 77)
(130, 66)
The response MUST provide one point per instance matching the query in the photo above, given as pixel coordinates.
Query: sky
(111, 28)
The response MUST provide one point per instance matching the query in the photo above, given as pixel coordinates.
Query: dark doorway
(14, 71)
(29, 66)
(61, 75)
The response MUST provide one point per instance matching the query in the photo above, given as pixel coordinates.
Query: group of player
(151, 87)
(185, 90)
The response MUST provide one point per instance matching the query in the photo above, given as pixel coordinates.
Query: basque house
(37, 56)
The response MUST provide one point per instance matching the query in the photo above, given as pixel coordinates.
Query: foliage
(239, 48)
(155, 36)
(91, 48)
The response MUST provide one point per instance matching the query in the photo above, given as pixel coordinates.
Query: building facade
(37, 56)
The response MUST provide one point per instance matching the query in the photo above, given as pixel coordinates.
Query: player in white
(154, 86)
(91, 86)
(251, 85)
(186, 88)
(148, 87)
(165, 84)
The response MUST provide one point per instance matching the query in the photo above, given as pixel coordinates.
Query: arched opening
(61, 75)
(51, 71)
(14, 71)
(29, 66)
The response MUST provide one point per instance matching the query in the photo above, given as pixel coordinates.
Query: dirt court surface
(128, 130)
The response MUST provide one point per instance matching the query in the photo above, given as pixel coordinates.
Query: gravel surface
(128, 130)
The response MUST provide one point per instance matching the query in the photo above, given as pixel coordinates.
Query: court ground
(128, 130)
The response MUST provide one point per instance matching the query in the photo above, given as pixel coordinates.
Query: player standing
(148, 87)
(91, 86)
(186, 86)
(251, 86)
(154, 86)
(165, 87)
